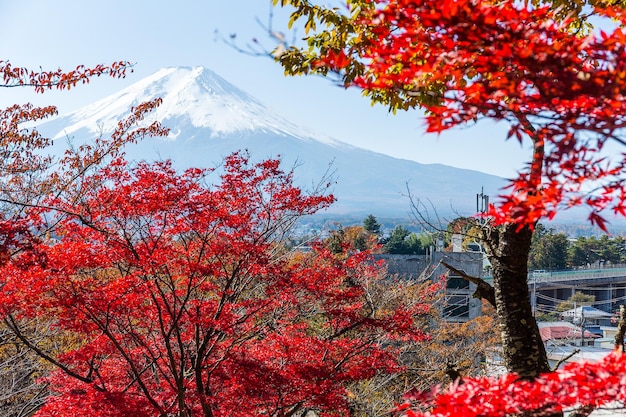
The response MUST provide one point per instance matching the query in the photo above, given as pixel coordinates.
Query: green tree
(548, 249)
(576, 300)
(612, 250)
(587, 251)
(371, 224)
(413, 244)
(395, 244)
(402, 242)
(583, 251)
(426, 240)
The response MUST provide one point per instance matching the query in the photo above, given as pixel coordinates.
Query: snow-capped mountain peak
(210, 118)
(193, 96)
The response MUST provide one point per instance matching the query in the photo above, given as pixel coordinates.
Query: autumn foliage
(23, 149)
(594, 385)
(28, 170)
(186, 305)
(41, 81)
(463, 61)
(559, 90)
(185, 301)
(29, 174)
(160, 294)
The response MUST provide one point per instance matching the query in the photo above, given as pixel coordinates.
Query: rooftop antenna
(482, 201)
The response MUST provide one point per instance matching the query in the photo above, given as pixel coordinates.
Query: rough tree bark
(507, 250)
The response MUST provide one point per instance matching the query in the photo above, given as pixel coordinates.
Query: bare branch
(582, 411)
(484, 289)
(10, 322)
(564, 359)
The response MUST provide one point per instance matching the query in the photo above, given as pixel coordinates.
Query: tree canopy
(549, 250)
(371, 224)
(402, 242)
(186, 305)
(30, 173)
(559, 89)
(517, 64)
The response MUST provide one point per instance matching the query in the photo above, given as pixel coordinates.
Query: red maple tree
(30, 173)
(506, 62)
(23, 149)
(28, 169)
(511, 62)
(185, 303)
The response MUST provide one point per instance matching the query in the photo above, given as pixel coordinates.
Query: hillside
(210, 118)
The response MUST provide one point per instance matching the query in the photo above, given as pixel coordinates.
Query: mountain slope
(210, 118)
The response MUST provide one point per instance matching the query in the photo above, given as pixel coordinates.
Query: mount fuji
(210, 118)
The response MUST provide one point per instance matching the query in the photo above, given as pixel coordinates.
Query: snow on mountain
(210, 118)
(196, 94)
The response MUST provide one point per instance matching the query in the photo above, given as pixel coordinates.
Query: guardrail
(576, 275)
(571, 275)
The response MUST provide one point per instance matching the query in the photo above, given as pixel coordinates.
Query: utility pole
(534, 299)
(582, 322)
(482, 205)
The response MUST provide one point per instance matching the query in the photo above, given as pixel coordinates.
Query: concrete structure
(458, 304)
(608, 285)
(546, 288)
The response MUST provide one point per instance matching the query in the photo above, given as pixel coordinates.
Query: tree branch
(562, 360)
(582, 411)
(9, 321)
(484, 290)
(452, 372)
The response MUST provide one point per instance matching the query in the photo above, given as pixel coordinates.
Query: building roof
(583, 353)
(587, 312)
(555, 330)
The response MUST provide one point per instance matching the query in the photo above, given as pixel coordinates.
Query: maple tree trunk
(523, 350)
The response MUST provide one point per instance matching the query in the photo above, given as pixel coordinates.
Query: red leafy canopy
(184, 301)
(505, 62)
(25, 165)
(21, 142)
(59, 79)
(590, 384)
(26, 175)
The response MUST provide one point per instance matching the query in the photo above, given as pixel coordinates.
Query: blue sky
(158, 33)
